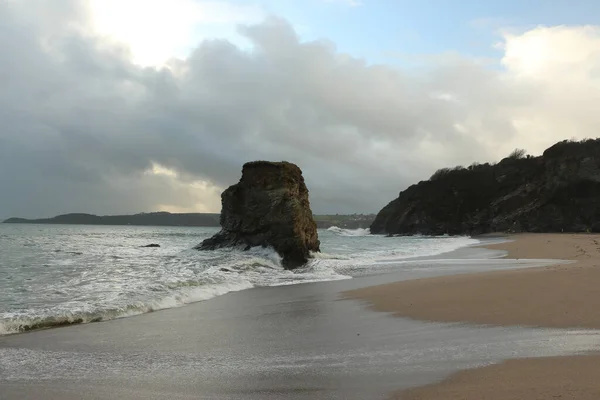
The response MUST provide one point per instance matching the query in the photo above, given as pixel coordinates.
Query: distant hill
(353, 221)
(154, 219)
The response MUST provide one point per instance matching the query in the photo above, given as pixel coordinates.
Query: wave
(349, 232)
(25, 323)
(231, 270)
(186, 293)
(175, 279)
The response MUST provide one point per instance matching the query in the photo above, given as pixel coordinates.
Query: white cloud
(157, 30)
(559, 67)
(547, 52)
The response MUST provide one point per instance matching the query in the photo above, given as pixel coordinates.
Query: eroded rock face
(269, 206)
(556, 192)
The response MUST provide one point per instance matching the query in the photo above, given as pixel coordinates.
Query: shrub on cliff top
(518, 154)
(442, 172)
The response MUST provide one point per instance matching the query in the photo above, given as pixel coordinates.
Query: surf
(104, 273)
(349, 232)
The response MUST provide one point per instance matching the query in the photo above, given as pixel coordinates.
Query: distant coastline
(353, 221)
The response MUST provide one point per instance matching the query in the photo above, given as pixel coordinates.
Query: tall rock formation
(555, 192)
(268, 207)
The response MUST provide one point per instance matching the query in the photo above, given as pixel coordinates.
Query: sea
(55, 275)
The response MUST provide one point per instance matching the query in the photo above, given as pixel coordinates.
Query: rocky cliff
(269, 206)
(555, 192)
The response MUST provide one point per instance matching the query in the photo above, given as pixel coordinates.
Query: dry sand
(563, 296)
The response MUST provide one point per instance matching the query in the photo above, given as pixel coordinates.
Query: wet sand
(559, 296)
(564, 378)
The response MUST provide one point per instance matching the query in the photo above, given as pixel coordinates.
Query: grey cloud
(79, 123)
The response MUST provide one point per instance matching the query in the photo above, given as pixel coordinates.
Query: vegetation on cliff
(558, 191)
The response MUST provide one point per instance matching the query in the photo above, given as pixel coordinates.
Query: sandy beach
(561, 296)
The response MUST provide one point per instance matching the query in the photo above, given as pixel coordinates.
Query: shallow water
(53, 275)
(293, 342)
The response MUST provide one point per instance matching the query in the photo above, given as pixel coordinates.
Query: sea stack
(269, 206)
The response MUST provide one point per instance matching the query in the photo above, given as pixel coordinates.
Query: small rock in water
(152, 245)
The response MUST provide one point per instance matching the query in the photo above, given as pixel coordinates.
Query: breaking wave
(349, 232)
(24, 322)
(100, 274)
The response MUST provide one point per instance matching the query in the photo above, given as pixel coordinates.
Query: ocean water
(53, 275)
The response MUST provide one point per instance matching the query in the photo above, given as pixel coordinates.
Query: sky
(125, 106)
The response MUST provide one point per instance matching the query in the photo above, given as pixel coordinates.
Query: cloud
(560, 66)
(159, 29)
(83, 128)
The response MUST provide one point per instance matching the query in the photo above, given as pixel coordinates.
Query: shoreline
(556, 296)
(7, 328)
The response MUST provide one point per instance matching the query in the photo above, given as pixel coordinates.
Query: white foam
(349, 232)
(181, 297)
(196, 294)
(132, 281)
(327, 256)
